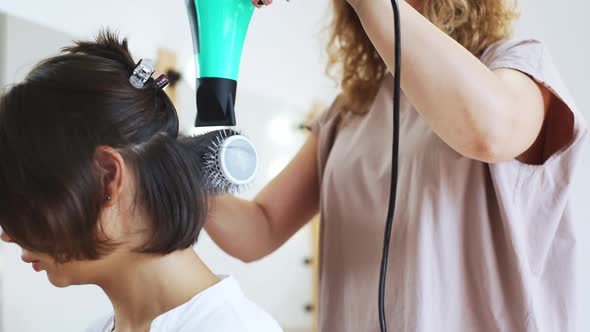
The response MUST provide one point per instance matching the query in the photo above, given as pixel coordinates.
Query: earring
(108, 197)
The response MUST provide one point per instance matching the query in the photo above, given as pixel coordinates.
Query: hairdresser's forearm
(463, 102)
(250, 230)
(240, 228)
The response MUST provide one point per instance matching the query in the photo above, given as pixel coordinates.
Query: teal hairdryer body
(219, 29)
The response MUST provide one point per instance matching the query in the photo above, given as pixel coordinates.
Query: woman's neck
(149, 286)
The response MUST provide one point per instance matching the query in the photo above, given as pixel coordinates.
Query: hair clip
(142, 73)
(162, 81)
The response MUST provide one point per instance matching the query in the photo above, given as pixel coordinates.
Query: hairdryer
(219, 29)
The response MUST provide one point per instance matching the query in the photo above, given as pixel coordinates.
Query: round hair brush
(229, 161)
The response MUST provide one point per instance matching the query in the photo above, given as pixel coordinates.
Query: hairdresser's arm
(484, 115)
(250, 230)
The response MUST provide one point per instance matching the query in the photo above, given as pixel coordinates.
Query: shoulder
(565, 128)
(326, 116)
(527, 44)
(222, 307)
(237, 311)
(532, 57)
(101, 324)
(239, 316)
(526, 54)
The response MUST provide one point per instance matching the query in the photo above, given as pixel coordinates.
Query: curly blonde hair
(475, 24)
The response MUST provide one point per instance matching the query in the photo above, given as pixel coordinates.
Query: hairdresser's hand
(260, 3)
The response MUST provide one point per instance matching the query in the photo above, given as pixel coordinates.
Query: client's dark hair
(51, 194)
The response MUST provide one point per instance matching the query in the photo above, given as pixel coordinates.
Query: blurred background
(282, 83)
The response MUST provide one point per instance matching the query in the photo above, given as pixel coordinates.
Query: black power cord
(394, 166)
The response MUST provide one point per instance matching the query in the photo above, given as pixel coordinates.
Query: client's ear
(113, 175)
(110, 167)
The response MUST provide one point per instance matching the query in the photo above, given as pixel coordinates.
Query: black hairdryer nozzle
(215, 102)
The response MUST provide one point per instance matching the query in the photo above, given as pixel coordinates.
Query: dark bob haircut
(51, 124)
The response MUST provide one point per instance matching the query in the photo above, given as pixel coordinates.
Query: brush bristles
(216, 182)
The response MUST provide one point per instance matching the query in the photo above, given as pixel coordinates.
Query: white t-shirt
(220, 308)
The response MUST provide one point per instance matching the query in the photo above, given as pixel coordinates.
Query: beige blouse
(475, 246)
